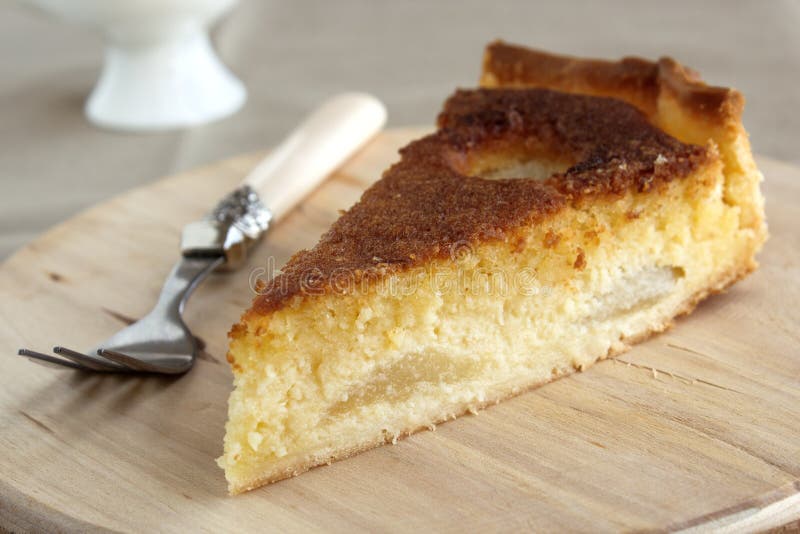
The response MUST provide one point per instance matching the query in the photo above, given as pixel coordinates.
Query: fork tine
(92, 362)
(51, 361)
(134, 364)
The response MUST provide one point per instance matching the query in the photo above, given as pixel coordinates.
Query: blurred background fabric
(293, 53)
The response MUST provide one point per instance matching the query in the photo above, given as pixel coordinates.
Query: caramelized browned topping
(427, 203)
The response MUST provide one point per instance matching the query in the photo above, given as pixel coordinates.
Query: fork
(161, 342)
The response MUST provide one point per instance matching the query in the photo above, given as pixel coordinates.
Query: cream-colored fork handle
(321, 144)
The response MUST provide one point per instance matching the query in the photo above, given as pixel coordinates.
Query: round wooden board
(699, 426)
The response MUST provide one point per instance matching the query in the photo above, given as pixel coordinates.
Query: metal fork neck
(185, 276)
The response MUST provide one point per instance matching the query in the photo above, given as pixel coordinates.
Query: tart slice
(542, 227)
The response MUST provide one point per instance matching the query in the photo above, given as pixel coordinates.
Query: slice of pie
(544, 226)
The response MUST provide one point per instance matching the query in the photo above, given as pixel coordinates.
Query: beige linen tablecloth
(292, 54)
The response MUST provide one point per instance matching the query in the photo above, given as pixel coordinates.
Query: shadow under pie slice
(563, 211)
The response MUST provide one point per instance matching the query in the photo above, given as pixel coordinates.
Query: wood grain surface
(696, 428)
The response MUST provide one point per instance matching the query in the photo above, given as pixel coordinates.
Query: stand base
(162, 86)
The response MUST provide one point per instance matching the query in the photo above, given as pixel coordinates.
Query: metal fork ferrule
(231, 229)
